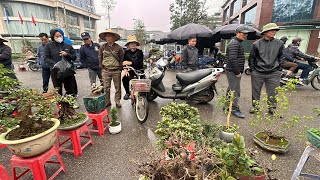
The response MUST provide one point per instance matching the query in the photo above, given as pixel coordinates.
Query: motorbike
(198, 85)
(33, 64)
(313, 78)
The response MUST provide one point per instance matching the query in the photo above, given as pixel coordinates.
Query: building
(73, 16)
(296, 18)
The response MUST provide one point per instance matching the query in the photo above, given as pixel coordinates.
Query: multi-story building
(296, 18)
(73, 16)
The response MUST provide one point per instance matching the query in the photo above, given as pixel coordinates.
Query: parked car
(77, 64)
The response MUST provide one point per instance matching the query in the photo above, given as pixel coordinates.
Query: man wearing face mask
(41, 56)
(5, 56)
(54, 51)
(132, 57)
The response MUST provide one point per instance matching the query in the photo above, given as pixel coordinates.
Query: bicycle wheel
(141, 107)
(315, 82)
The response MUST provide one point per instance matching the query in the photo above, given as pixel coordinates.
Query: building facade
(296, 18)
(73, 16)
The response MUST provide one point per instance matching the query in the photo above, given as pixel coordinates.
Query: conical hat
(132, 38)
(3, 39)
(109, 31)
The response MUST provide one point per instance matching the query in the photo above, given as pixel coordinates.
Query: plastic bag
(63, 69)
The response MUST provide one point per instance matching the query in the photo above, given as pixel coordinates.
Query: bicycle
(140, 87)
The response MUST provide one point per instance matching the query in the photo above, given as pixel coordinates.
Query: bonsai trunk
(229, 112)
(66, 112)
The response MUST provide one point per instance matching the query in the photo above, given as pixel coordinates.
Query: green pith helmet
(269, 27)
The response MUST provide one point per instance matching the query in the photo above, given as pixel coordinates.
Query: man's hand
(238, 76)
(63, 53)
(317, 58)
(126, 63)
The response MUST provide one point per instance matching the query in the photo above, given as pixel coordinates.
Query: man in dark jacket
(89, 53)
(235, 66)
(41, 56)
(54, 51)
(5, 56)
(189, 55)
(264, 61)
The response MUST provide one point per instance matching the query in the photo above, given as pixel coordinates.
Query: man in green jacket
(264, 61)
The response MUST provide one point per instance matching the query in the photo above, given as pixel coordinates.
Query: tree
(108, 5)
(187, 11)
(212, 21)
(140, 31)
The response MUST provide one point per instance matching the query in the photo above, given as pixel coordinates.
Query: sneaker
(75, 96)
(273, 113)
(285, 79)
(237, 113)
(76, 105)
(126, 97)
(253, 110)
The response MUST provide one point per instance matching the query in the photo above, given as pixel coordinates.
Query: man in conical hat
(111, 57)
(5, 56)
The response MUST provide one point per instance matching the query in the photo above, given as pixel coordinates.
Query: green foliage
(187, 11)
(236, 161)
(140, 31)
(180, 120)
(6, 119)
(7, 83)
(315, 131)
(208, 136)
(317, 111)
(232, 129)
(114, 117)
(226, 103)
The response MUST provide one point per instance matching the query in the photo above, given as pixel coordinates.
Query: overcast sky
(154, 13)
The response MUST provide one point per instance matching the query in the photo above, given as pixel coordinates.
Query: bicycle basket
(141, 85)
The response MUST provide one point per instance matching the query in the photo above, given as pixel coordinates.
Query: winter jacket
(135, 57)
(116, 48)
(89, 56)
(41, 55)
(235, 56)
(294, 52)
(190, 56)
(52, 51)
(5, 55)
(266, 56)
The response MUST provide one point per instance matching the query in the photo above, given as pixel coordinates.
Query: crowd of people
(107, 62)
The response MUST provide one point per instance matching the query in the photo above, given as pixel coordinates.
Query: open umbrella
(228, 31)
(184, 32)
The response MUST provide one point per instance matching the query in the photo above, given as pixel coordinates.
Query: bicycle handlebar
(137, 72)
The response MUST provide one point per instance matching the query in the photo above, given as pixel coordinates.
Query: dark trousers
(45, 78)
(271, 81)
(75, 86)
(67, 82)
(306, 68)
(234, 85)
(126, 80)
(11, 67)
(93, 73)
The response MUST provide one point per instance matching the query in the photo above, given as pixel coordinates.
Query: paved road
(111, 156)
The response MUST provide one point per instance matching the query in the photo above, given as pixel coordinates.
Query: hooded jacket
(235, 56)
(65, 39)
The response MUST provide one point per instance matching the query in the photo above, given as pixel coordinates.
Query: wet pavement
(112, 156)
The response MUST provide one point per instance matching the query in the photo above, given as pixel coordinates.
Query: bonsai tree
(7, 83)
(114, 117)
(33, 112)
(67, 114)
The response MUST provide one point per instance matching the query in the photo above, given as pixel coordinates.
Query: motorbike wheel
(315, 82)
(204, 98)
(141, 108)
(247, 71)
(33, 67)
(151, 96)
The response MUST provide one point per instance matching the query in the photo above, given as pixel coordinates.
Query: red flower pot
(261, 177)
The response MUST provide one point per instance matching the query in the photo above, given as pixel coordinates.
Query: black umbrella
(228, 31)
(184, 32)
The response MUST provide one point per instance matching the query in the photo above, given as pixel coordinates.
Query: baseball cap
(85, 35)
(243, 29)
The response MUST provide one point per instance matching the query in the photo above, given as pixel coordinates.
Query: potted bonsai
(7, 120)
(228, 132)
(115, 125)
(36, 132)
(6, 83)
(69, 118)
(96, 101)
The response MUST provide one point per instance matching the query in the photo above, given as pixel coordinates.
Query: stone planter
(115, 129)
(226, 136)
(260, 140)
(95, 104)
(34, 145)
(74, 126)
(262, 177)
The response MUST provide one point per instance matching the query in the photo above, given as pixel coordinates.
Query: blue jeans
(45, 78)
(306, 68)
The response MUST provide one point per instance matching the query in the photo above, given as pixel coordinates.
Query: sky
(154, 13)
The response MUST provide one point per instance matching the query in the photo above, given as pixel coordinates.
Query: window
(8, 8)
(72, 18)
(235, 20)
(235, 7)
(250, 16)
(293, 10)
(86, 22)
(245, 2)
(74, 33)
(226, 14)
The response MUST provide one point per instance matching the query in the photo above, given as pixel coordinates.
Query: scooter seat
(192, 77)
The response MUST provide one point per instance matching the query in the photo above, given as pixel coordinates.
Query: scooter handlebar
(137, 72)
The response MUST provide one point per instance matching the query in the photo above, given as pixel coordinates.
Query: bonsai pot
(261, 177)
(34, 145)
(313, 139)
(95, 104)
(274, 144)
(226, 136)
(115, 129)
(73, 126)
